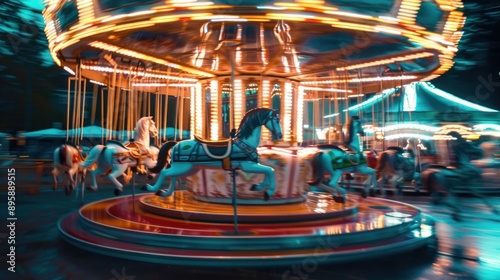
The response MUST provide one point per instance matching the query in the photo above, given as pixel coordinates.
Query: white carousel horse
(115, 158)
(67, 159)
(337, 160)
(239, 152)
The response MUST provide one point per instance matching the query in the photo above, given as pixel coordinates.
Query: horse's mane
(116, 143)
(252, 119)
(350, 128)
(71, 144)
(140, 127)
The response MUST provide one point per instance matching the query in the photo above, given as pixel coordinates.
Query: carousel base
(185, 231)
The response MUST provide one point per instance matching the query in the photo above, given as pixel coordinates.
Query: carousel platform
(183, 230)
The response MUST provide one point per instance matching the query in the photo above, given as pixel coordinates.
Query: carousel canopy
(355, 44)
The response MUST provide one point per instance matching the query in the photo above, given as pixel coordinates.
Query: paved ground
(469, 249)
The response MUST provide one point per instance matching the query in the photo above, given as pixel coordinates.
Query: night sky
(475, 75)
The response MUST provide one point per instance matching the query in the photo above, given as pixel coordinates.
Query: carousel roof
(355, 44)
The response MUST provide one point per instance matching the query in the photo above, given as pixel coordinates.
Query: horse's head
(272, 122)
(153, 130)
(354, 127)
(357, 126)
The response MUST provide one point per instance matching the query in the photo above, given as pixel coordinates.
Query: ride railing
(35, 175)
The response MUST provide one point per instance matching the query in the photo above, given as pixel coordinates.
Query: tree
(27, 73)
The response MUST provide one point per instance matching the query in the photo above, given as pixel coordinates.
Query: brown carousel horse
(67, 159)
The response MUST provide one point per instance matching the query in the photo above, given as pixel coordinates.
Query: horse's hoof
(117, 192)
(339, 199)
(363, 194)
(162, 193)
(266, 196)
(254, 187)
(372, 192)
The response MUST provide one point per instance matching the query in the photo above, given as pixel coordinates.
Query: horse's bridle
(273, 116)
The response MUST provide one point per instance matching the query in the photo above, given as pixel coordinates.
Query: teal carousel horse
(441, 181)
(239, 152)
(336, 160)
(115, 158)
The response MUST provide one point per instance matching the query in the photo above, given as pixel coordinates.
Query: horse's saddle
(351, 157)
(135, 150)
(213, 143)
(218, 149)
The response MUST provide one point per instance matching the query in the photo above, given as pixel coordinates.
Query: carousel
(243, 79)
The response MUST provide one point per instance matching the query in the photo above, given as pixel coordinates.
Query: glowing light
(371, 100)
(300, 115)
(486, 126)
(408, 135)
(270, 8)
(389, 19)
(149, 85)
(331, 115)
(386, 29)
(440, 39)
(120, 16)
(326, 89)
(410, 98)
(238, 101)
(198, 110)
(97, 83)
(69, 70)
(149, 74)
(360, 80)
(347, 14)
(214, 110)
(287, 118)
(415, 126)
(181, 85)
(85, 10)
(265, 102)
(131, 53)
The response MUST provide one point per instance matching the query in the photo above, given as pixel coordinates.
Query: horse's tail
(318, 170)
(162, 157)
(93, 156)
